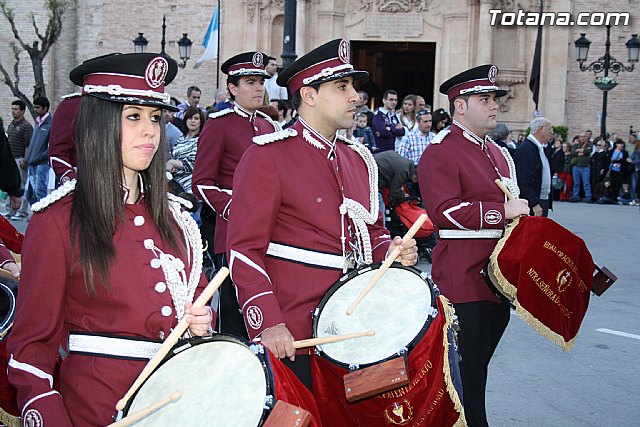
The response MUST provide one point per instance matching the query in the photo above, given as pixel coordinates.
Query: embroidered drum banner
(545, 271)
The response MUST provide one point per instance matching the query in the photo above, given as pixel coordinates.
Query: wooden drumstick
(332, 338)
(387, 263)
(8, 275)
(505, 190)
(173, 337)
(143, 413)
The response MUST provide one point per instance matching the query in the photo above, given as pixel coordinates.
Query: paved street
(534, 383)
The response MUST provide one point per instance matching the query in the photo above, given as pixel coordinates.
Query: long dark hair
(98, 206)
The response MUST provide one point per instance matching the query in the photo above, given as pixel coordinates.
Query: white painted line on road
(619, 333)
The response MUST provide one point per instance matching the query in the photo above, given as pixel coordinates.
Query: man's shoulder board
(275, 136)
(220, 113)
(440, 136)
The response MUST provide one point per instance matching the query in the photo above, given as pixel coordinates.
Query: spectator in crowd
(38, 153)
(394, 171)
(533, 169)
(363, 133)
(603, 192)
(500, 136)
(386, 125)
(625, 196)
(581, 169)
(222, 100)
(183, 154)
(284, 108)
(520, 139)
(414, 143)
(556, 162)
(63, 156)
(225, 137)
(193, 100)
(563, 169)
(173, 132)
(618, 167)
(421, 104)
(600, 160)
(634, 158)
(10, 183)
(441, 119)
(362, 106)
(407, 113)
(273, 90)
(19, 133)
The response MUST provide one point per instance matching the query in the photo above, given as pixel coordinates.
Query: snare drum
(399, 309)
(224, 381)
(8, 294)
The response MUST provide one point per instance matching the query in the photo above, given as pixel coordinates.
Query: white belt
(112, 346)
(470, 234)
(306, 256)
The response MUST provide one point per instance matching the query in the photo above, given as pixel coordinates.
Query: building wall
(459, 28)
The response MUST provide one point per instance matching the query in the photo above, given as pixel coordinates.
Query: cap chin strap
(118, 90)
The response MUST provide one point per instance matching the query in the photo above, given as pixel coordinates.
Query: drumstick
(332, 338)
(173, 337)
(504, 189)
(387, 263)
(143, 413)
(8, 275)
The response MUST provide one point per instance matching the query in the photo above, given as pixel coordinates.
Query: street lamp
(605, 64)
(184, 44)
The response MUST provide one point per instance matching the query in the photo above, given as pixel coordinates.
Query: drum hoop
(354, 273)
(7, 322)
(487, 278)
(195, 341)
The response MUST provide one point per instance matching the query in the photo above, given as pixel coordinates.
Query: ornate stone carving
(511, 79)
(391, 6)
(254, 5)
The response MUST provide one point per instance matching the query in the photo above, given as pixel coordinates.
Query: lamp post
(605, 64)
(184, 44)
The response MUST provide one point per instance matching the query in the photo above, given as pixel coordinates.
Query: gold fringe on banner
(511, 292)
(449, 312)
(9, 420)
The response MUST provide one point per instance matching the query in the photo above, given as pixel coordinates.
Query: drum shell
(8, 297)
(344, 280)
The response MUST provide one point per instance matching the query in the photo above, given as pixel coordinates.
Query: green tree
(37, 50)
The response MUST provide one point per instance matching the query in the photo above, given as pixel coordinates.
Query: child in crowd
(363, 133)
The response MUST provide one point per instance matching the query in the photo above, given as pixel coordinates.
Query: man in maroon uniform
(306, 207)
(224, 139)
(62, 146)
(456, 174)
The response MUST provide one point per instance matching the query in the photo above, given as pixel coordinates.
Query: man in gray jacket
(37, 156)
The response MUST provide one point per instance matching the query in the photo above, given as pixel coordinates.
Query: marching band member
(305, 207)
(111, 261)
(456, 174)
(224, 139)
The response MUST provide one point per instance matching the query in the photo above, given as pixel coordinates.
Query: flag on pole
(534, 80)
(210, 41)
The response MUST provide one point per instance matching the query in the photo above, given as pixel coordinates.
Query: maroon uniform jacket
(53, 302)
(224, 139)
(62, 146)
(457, 174)
(289, 189)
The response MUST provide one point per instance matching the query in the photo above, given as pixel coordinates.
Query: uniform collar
(470, 135)
(243, 112)
(316, 140)
(126, 190)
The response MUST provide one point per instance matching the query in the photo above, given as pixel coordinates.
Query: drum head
(222, 381)
(399, 309)
(8, 293)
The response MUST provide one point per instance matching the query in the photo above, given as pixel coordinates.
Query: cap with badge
(246, 64)
(129, 78)
(481, 79)
(331, 61)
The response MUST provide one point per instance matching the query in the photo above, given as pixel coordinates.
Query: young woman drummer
(110, 262)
